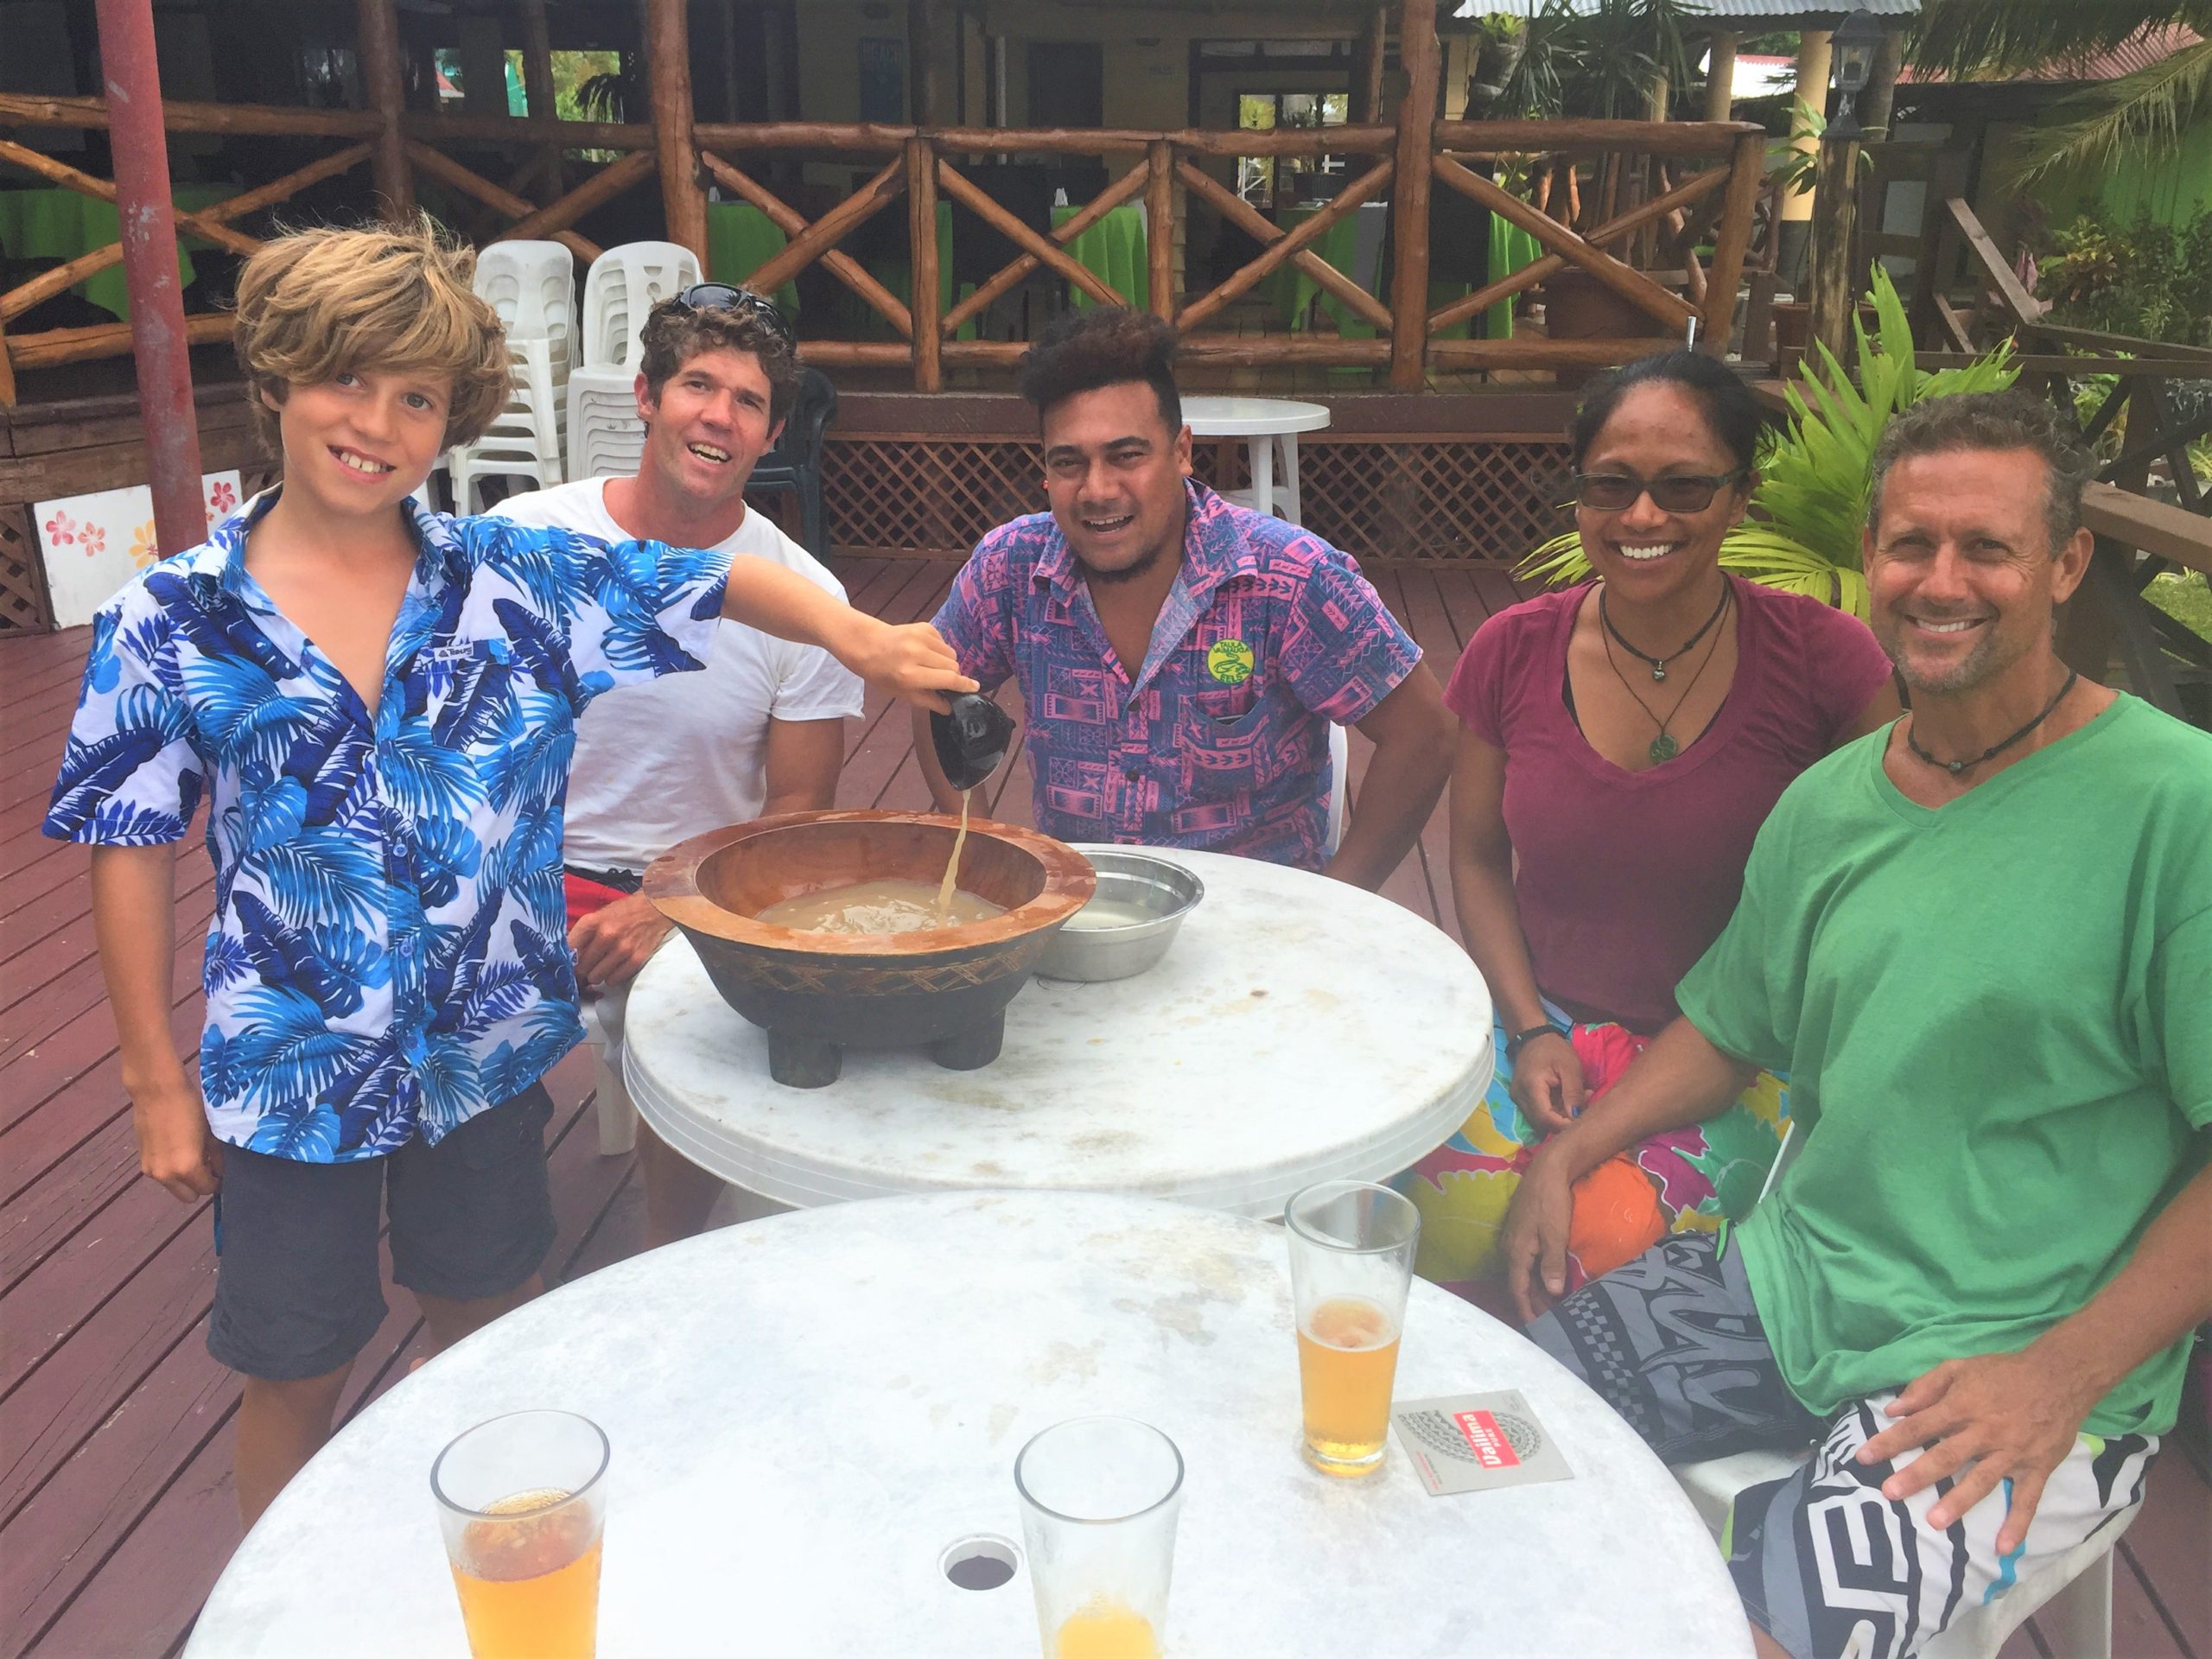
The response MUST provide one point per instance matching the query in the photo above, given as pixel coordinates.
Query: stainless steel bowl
(1165, 892)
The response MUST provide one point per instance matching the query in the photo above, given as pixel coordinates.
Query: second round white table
(1269, 427)
(1298, 1030)
(807, 1413)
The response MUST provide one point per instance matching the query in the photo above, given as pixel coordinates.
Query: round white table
(1297, 1030)
(807, 1411)
(1269, 427)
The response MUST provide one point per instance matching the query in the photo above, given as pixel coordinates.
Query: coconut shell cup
(816, 994)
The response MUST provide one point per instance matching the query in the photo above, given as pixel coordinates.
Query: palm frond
(2144, 113)
(1962, 37)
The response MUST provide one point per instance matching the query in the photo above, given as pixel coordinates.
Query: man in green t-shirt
(1979, 940)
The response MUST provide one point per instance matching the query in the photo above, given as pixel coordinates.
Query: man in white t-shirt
(761, 732)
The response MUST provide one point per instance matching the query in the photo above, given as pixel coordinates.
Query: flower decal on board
(93, 539)
(61, 529)
(221, 498)
(144, 551)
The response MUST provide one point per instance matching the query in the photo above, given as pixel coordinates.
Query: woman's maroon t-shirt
(1624, 878)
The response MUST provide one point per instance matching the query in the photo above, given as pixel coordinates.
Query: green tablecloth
(1113, 250)
(739, 241)
(1294, 292)
(58, 224)
(1511, 248)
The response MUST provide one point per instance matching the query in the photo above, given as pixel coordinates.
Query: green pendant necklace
(1663, 747)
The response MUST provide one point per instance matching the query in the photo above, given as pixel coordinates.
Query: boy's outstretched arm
(910, 660)
(134, 917)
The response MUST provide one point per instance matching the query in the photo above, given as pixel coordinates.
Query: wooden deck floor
(116, 1510)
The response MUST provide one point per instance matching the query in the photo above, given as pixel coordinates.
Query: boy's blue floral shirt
(389, 951)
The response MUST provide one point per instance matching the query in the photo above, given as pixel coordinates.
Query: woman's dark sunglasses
(1677, 493)
(721, 297)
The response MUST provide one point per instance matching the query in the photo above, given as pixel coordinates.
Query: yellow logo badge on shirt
(1229, 662)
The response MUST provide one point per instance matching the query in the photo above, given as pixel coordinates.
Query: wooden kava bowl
(816, 994)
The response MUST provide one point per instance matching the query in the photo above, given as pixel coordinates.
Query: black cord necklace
(1658, 664)
(1954, 767)
(1663, 747)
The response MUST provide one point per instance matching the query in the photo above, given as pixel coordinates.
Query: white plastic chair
(605, 435)
(1339, 782)
(525, 441)
(624, 283)
(2076, 1588)
(2074, 1592)
(603, 1013)
(532, 285)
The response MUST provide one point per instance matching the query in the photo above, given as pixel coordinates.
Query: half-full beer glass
(1099, 1499)
(522, 1500)
(1351, 1258)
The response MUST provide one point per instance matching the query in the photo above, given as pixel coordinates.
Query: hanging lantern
(1853, 47)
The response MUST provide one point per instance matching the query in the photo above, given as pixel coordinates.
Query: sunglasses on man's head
(1677, 493)
(721, 296)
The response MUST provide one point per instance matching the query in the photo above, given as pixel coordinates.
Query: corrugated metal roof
(2138, 51)
(1779, 13)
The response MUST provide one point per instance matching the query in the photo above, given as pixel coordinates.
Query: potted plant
(1500, 42)
(1803, 532)
(1598, 60)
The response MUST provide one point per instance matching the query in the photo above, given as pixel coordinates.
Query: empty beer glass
(1099, 1498)
(523, 1499)
(1351, 1258)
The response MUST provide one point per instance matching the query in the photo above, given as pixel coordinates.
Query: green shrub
(2152, 281)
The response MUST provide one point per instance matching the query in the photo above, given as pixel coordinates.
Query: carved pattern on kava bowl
(817, 994)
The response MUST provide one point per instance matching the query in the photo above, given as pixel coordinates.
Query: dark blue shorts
(298, 1288)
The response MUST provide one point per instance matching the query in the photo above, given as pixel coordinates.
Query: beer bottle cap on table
(972, 740)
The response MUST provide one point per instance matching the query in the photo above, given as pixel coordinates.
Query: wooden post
(668, 73)
(924, 92)
(1160, 225)
(1830, 285)
(1720, 77)
(1878, 101)
(1731, 237)
(921, 223)
(158, 342)
(1367, 58)
(386, 89)
(483, 65)
(1409, 196)
(538, 86)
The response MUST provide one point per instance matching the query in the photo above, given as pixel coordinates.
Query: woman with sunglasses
(1621, 743)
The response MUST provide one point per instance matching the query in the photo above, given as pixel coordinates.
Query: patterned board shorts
(1826, 1565)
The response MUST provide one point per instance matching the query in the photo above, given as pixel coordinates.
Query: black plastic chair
(795, 463)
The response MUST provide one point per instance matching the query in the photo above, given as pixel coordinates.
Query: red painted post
(157, 340)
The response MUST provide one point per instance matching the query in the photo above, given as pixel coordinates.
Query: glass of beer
(523, 1499)
(1351, 1258)
(1099, 1499)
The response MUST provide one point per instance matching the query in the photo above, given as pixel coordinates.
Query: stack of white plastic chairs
(532, 285)
(605, 433)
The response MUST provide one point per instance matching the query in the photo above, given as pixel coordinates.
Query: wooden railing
(1717, 174)
(419, 134)
(921, 167)
(2138, 540)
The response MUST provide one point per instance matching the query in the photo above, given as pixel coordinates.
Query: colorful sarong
(1686, 1180)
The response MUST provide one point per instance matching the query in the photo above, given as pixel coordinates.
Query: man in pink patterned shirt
(1181, 659)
